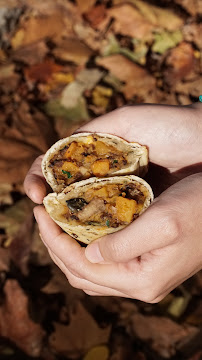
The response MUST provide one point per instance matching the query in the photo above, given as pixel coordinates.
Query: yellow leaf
(101, 96)
(18, 38)
(97, 353)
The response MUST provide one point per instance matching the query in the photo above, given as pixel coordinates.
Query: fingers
(73, 256)
(164, 129)
(155, 228)
(35, 185)
(161, 225)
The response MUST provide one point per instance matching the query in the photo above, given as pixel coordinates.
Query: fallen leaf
(31, 54)
(85, 80)
(166, 40)
(137, 80)
(42, 72)
(180, 62)
(97, 353)
(101, 96)
(194, 7)
(79, 336)
(45, 21)
(92, 38)
(130, 22)
(73, 115)
(164, 335)
(192, 33)
(9, 79)
(156, 15)
(17, 222)
(5, 194)
(85, 5)
(72, 49)
(192, 88)
(96, 15)
(15, 321)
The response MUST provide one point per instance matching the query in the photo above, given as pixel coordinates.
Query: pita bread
(56, 205)
(137, 157)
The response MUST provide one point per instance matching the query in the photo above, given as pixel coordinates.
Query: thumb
(155, 228)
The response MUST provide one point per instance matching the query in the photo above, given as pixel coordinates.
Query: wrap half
(85, 155)
(92, 208)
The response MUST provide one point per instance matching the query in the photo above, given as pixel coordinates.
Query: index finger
(35, 184)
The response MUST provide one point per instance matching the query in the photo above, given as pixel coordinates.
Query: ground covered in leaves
(63, 62)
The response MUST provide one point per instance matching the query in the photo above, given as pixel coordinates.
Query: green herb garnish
(67, 173)
(108, 223)
(115, 161)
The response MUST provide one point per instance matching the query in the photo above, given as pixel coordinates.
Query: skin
(163, 247)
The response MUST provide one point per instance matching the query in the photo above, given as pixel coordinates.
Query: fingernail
(93, 254)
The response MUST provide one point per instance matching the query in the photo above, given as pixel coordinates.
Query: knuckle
(170, 227)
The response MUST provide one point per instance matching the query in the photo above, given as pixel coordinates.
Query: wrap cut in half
(85, 155)
(92, 208)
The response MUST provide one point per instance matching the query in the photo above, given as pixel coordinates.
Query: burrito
(92, 208)
(86, 155)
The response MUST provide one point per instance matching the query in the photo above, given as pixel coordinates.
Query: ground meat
(95, 206)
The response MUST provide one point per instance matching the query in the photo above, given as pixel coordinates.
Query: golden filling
(82, 160)
(109, 205)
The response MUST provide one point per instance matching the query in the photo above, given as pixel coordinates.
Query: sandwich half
(92, 208)
(86, 155)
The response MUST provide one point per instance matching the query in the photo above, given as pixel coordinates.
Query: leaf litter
(62, 63)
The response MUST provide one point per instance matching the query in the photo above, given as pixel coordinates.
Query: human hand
(153, 257)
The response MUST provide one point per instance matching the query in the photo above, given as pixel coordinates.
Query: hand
(161, 248)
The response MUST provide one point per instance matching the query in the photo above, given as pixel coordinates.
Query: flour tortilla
(138, 158)
(55, 205)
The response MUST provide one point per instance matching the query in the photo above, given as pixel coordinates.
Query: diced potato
(113, 190)
(69, 166)
(70, 150)
(126, 208)
(89, 159)
(101, 148)
(77, 154)
(101, 193)
(100, 167)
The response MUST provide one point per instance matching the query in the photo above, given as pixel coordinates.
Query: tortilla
(85, 155)
(92, 208)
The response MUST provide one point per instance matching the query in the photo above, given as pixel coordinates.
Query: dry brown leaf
(192, 33)
(31, 54)
(130, 22)
(46, 20)
(42, 72)
(180, 62)
(59, 284)
(164, 335)
(88, 35)
(194, 7)
(40, 255)
(96, 15)
(155, 15)
(15, 322)
(85, 5)
(13, 170)
(72, 49)
(192, 88)
(4, 259)
(17, 223)
(9, 79)
(137, 80)
(79, 336)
